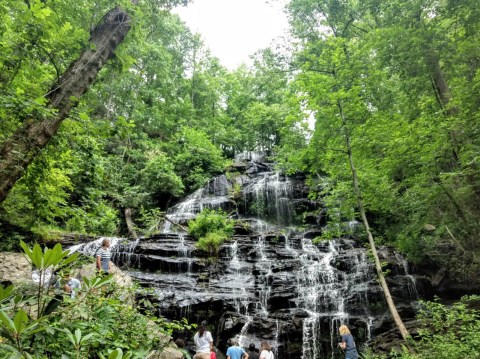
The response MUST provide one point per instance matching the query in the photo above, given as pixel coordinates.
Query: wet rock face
(270, 281)
(280, 288)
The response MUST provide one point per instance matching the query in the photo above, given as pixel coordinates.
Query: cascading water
(272, 281)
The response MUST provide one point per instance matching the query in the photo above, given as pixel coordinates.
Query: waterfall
(272, 280)
(213, 196)
(91, 248)
(412, 282)
(254, 156)
(122, 250)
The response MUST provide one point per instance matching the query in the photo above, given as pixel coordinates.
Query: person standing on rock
(103, 257)
(347, 343)
(203, 342)
(236, 352)
(266, 351)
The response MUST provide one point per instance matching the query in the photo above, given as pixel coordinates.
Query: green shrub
(446, 332)
(209, 221)
(103, 318)
(211, 229)
(211, 242)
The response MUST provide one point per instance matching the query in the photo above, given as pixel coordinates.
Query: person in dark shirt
(252, 352)
(348, 344)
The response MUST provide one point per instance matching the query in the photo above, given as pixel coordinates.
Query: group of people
(205, 350)
(203, 338)
(67, 286)
(70, 285)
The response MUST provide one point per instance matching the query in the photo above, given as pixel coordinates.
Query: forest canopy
(163, 116)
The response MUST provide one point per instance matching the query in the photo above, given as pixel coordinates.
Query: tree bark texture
(17, 152)
(442, 91)
(378, 267)
(130, 224)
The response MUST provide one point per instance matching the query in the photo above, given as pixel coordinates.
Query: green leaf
(116, 354)
(70, 336)
(26, 250)
(5, 292)
(16, 353)
(71, 258)
(20, 321)
(37, 257)
(7, 322)
(78, 336)
(52, 256)
(88, 336)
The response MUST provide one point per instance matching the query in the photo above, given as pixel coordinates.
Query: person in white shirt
(266, 351)
(69, 284)
(203, 342)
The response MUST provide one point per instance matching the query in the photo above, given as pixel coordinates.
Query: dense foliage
(211, 229)
(161, 120)
(398, 79)
(446, 332)
(102, 320)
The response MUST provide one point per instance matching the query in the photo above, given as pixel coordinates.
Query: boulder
(167, 353)
(14, 268)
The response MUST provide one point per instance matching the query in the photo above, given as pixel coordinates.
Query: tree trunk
(442, 91)
(17, 152)
(130, 224)
(444, 97)
(358, 194)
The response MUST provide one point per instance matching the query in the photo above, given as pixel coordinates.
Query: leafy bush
(211, 242)
(103, 320)
(197, 159)
(446, 332)
(209, 221)
(211, 229)
(149, 221)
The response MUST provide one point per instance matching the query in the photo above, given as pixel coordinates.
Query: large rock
(14, 268)
(167, 353)
(272, 277)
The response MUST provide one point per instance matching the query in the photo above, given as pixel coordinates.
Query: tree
(18, 151)
(332, 74)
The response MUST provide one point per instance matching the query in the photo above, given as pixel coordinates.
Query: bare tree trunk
(444, 97)
(442, 91)
(17, 152)
(358, 194)
(130, 224)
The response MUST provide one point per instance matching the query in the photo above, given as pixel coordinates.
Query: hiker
(236, 352)
(103, 257)
(252, 352)
(347, 343)
(203, 342)
(68, 284)
(266, 351)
